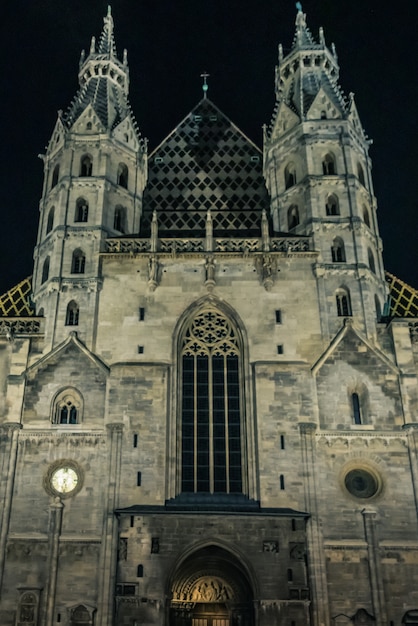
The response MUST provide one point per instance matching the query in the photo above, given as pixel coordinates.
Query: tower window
(371, 261)
(328, 165)
(81, 210)
(366, 216)
(343, 303)
(378, 308)
(281, 482)
(72, 315)
(55, 176)
(211, 374)
(50, 220)
(67, 407)
(278, 316)
(332, 205)
(45, 270)
(292, 217)
(338, 251)
(119, 219)
(290, 175)
(86, 165)
(123, 175)
(360, 174)
(78, 264)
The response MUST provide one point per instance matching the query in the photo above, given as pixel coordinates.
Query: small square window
(158, 160)
(280, 349)
(140, 349)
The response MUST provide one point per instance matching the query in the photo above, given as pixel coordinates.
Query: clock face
(64, 480)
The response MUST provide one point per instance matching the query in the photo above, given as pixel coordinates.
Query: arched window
(292, 217)
(78, 263)
(81, 616)
(343, 303)
(290, 175)
(410, 618)
(45, 270)
(338, 250)
(81, 210)
(372, 264)
(355, 401)
(332, 206)
(119, 220)
(328, 165)
(360, 174)
(123, 175)
(377, 307)
(55, 176)
(359, 400)
(211, 405)
(50, 220)
(86, 165)
(72, 315)
(28, 609)
(366, 216)
(67, 407)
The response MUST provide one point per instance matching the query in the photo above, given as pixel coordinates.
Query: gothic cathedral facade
(208, 414)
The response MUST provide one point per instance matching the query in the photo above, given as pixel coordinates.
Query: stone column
(54, 533)
(107, 567)
(375, 569)
(11, 433)
(315, 547)
(412, 431)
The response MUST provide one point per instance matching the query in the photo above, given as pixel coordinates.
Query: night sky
(170, 43)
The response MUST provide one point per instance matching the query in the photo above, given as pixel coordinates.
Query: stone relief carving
(210, 589)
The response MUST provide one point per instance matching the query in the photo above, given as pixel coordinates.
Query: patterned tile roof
(205, 163)
(16, 302)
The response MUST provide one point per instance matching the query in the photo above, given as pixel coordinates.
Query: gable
(57, 138)
(206, 163)
(88, 123)
(126, 134)
(285, 120)
(324, 105)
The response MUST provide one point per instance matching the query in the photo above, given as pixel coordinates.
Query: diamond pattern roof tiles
(215, 167)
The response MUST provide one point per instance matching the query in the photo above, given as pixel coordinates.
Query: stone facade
(210, 420)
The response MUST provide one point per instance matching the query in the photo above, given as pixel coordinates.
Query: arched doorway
(211, 588)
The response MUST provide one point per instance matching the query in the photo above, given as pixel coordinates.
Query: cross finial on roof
(205, 85)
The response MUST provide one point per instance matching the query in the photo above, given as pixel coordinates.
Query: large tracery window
(211, 405)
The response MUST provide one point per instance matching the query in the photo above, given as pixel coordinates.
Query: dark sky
(170, 43)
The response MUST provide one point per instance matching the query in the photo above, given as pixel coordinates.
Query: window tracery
(211, 428)
(86, 165)
(67, 407)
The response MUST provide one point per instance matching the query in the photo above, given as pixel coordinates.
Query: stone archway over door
(211, 588)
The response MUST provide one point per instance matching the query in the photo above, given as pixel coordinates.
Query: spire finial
(109, 10)
(300, 17)
(205, 85)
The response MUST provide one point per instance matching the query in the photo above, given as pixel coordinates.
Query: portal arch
(211, 586)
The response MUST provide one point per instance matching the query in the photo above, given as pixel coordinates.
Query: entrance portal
(211, 588)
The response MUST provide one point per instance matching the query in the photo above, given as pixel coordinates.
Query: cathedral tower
(94, 176)
(318, 174)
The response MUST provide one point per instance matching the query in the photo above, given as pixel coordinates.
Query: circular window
(361, 483)
(63, 478)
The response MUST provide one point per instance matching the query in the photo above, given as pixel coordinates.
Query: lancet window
(292, 217)
(338, 250)
(332, 205)
(86, 165)
(290, 175)
(72, 315)
(50, 220)
(81, 210)
(328, 165)
(343, 303)
(211, 405)
(78, 264)
(123, 175)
